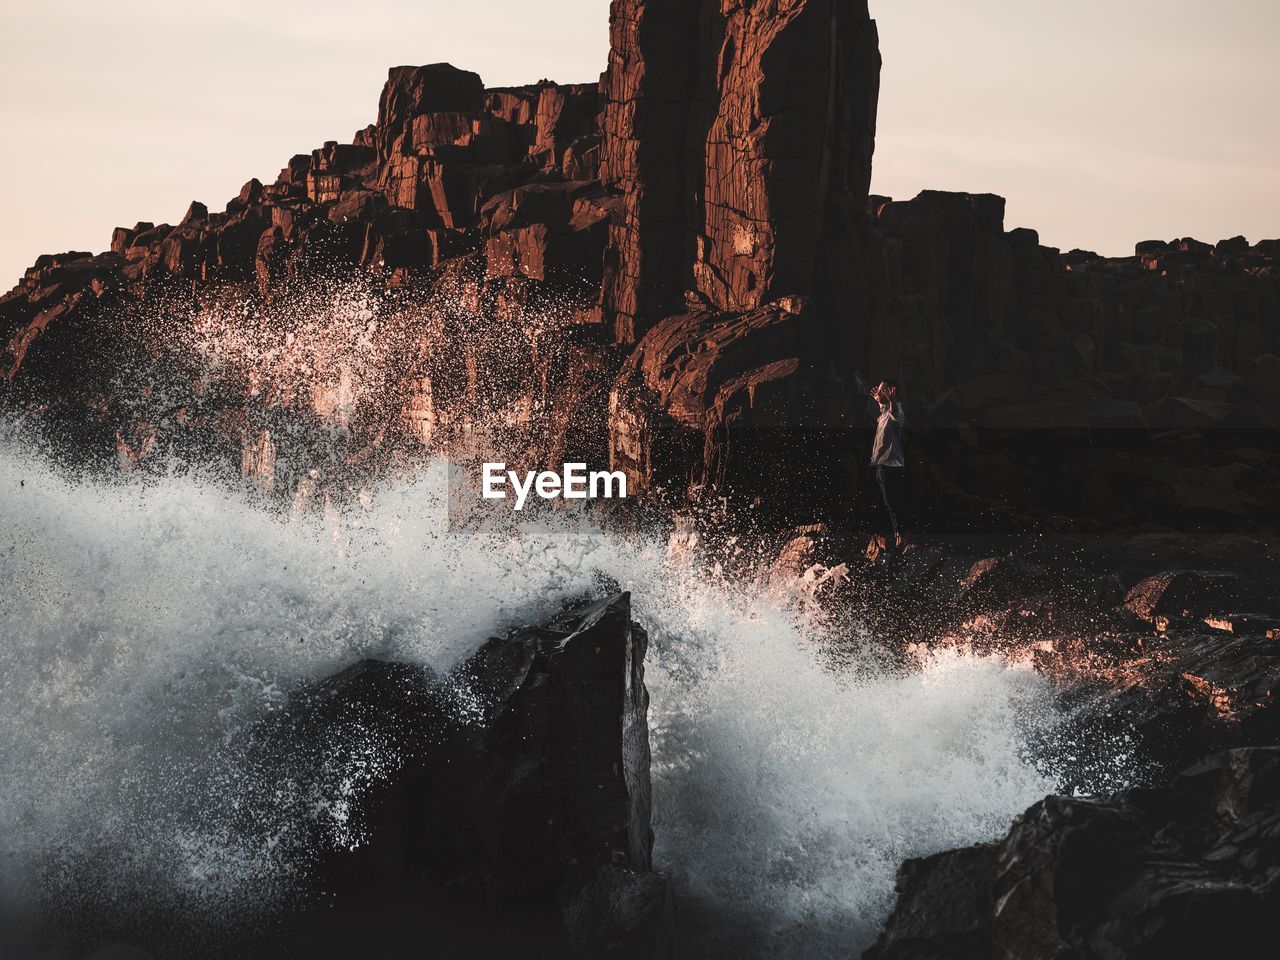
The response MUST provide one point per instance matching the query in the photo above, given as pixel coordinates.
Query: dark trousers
(889, 480)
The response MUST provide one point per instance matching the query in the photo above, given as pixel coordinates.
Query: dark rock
(1023, 238)
(500, 809)
(647, 92)
(1189, 870)
(621, 913)
(542, 230)
(1194, 693)
(679, 74)
(521, 814)
(195, 213)
(122, 239)
(1231, 247)
(944, 908)
(1188, 594)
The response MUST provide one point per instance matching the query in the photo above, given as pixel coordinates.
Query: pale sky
(1104, 122)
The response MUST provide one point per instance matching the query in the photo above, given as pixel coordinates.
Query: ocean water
(147, 622)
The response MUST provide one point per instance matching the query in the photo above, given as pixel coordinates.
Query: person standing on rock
(887, 457)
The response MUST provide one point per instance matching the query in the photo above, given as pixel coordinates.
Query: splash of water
(144, 624)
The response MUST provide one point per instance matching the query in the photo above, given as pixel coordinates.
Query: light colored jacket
(887, 449)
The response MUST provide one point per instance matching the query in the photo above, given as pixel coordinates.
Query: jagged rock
(564, 114)
(773, 162)
(944, 908)
(522, 813)
(621, 913)
(1189, 870)
(1190, 594)
(436, 129)
(698, 179)
(747, 390)
(647, 90)
(543, 230)
(500, 809)
(1191, 693)
(762, 164)
(413, 91)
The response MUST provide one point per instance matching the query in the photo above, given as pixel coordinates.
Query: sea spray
(146, 626)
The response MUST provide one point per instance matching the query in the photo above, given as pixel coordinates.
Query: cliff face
(678, 270)
(741, 138)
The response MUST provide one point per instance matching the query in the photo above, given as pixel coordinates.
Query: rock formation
(523, 824)
(741, 140)
(558, 254)
(679, 271)
(1189, 870)
(505, 810)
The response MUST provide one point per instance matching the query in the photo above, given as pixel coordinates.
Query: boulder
(521, 814)
(412, 91)
(1186, 871)
(1189, 595)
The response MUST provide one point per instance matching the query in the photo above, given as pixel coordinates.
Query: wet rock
(1190, 595)
(621, 913)
(520, 813)
(502, 808)
(1185, 694)
(1188, 870)
(944, 908)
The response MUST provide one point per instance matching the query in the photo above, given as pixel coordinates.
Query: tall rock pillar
(647, 89)
(740, 136)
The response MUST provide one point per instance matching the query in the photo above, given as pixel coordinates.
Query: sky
(1104, 122)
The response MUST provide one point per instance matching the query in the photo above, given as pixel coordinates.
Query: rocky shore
(678, 271)
(507, 809)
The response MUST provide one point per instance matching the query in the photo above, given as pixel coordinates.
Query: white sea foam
(144, 623)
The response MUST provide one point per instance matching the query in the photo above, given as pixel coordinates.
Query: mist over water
(146, 624)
